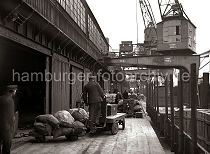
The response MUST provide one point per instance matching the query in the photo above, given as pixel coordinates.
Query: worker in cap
(93, 96)
(7, 120)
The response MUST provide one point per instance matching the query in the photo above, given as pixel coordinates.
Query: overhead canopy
(155, 61)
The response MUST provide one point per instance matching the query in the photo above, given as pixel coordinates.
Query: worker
(133, 96)
(7, 117)
(93, 96)
(118, 97)
(125, 95)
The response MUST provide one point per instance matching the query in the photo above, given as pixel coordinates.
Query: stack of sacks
(76, 128)
(60, 124)
(137, 102)
(137, 106)
(79, 114)
(120, 102)
(44, 125)
(110, 98)
(68, 125)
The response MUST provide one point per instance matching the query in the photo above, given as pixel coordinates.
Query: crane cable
(137, 25)
(204, 65)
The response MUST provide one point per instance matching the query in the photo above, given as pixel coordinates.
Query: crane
(150, 38)
(147, 14)
(171, 8)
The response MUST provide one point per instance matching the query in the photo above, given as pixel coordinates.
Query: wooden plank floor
(137, 138)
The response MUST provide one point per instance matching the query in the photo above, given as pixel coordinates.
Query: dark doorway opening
(17, 64)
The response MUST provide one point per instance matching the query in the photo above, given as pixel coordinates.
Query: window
(177, 30)
(76, 10)
(172, 31)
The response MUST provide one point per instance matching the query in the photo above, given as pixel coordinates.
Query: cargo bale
(110, 98)
(43, 128)
(137, 102)
(79, 115)
(49, 119)
(65, 124)
(137, 108)
(78, 124)
(80, 128)
(64, 117)
(62, 131)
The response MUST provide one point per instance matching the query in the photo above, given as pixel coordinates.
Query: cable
(202, 60)
(137, 25)
(204, 65)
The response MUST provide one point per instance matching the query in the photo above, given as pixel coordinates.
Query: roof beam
(155, 61)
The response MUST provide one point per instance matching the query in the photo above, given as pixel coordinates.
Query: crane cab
(176, 36)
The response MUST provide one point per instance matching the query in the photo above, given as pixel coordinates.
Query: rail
(185, 129)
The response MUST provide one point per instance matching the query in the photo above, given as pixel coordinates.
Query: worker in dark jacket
(125, 95)
(118, 97)
(93, 96)
(7, 120)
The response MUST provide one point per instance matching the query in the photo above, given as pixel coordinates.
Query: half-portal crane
(150, 32)
(147, 14)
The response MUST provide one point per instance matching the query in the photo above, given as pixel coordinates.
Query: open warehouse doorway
(17, 64)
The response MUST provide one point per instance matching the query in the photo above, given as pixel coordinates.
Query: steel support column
(157, 101)
(150, 98)
(147, 98)
(180, 103)
(154, 102)
(166, 105)
(204, 91)
(172, 112)
(194, 100)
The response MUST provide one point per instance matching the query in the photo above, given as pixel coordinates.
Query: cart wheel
(123, 123)
(114, 128)
(71, 137)
(40, 139)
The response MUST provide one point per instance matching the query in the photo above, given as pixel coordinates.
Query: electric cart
(111, 122)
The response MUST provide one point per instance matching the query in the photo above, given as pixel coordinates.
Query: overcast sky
(117, 19)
